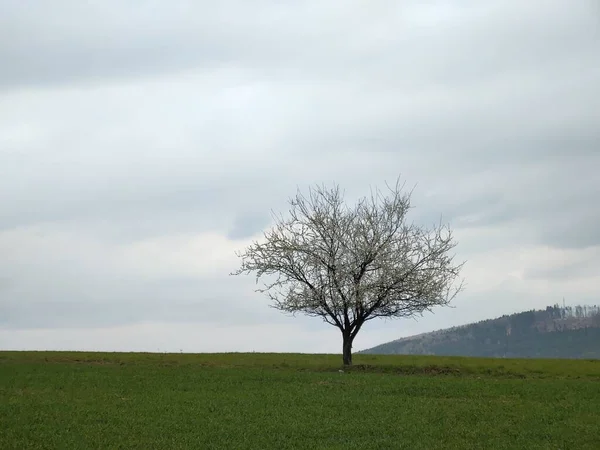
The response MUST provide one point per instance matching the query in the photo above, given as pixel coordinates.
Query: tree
(349, 265)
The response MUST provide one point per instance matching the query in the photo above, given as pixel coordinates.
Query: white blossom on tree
(349, 265)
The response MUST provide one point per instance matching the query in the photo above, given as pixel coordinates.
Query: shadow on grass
(412, 365)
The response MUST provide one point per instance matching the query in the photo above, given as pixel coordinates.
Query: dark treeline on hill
(556, 332)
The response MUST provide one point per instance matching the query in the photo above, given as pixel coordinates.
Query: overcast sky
(143, 143)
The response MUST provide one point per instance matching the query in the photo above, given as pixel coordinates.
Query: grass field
(283, 401)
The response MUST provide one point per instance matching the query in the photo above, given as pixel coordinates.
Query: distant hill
(556, 332)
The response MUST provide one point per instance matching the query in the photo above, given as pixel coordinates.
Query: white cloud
(208, 254)
(169, 337)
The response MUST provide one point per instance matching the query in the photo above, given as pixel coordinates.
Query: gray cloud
(98, 41)
(134, 143)
(248, 224)
(577, 269)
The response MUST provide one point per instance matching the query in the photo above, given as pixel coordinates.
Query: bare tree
(349, 265)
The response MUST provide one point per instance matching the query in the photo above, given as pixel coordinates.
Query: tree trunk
(347, 349)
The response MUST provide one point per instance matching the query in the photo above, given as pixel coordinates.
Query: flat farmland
(81, 400)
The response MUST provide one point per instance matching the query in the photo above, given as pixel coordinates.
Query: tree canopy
(351, 264)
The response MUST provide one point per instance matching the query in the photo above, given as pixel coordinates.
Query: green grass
(282, 401)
